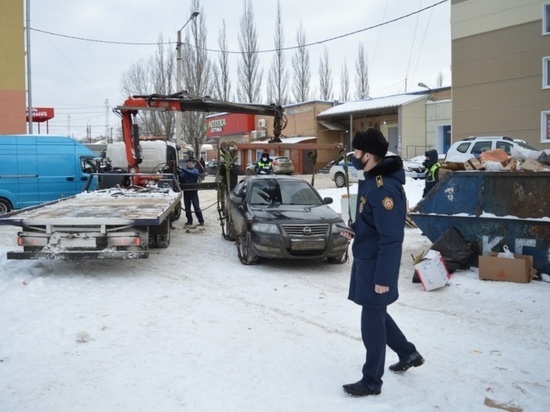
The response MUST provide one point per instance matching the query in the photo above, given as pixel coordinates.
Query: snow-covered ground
(192, 329)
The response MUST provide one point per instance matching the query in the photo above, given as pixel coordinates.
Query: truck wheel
(177, 213)
(162, 240)
(152, 241)
(340, 179)
(5, 206)
(244, 250)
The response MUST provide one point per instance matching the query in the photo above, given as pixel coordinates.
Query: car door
(507, 147)
(238, 207)
(480, 147)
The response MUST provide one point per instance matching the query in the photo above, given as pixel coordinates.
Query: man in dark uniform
(378, 241)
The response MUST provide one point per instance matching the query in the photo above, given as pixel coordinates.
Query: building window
(546, 18)
(546, 72)
(545, 127)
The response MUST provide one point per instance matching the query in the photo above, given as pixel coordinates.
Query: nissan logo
(307, 230)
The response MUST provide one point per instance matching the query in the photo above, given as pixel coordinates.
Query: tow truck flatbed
(109, 207)
(103, 224)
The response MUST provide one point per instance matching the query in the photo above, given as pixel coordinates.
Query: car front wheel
(244, 250)
(340, 179)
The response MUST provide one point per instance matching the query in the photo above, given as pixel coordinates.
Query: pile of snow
(192, 329)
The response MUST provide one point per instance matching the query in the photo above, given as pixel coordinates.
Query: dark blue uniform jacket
(189, 175)
(379, 230)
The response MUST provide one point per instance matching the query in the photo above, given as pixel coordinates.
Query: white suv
(337, 172)
(473, 146)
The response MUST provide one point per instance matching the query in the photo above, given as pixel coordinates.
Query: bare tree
(250, 77)
(277, 82)
(221, 70)
(439, 80)
(362, 74)
(300, 64)
(344, 83)
(197, 77)
(156, 75)
(325, 77)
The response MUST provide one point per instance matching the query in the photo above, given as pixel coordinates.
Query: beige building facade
(501, 69)
(412, 123)
(12, 68)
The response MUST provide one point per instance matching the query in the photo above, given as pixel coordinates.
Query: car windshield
(283, 192)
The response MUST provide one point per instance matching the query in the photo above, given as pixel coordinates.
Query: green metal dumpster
(490, 210)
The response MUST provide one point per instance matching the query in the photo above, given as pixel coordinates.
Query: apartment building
(501, 69)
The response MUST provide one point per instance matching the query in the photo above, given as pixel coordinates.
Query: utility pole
(179, 86)
(106, 119)
(29, 81)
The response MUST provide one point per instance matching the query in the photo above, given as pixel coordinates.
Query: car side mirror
(238, 200)
(327, 200)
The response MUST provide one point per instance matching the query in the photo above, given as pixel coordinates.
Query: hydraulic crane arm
(183, 102)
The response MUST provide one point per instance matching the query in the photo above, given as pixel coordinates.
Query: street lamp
(178, 76)
(424, 85)
(88, 131)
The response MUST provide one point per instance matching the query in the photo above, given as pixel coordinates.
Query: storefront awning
(333, 125)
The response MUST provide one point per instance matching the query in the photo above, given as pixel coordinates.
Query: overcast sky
(76, 76)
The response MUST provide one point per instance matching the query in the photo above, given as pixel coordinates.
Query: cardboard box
(431, 270)
(442, 172)
(457, 165)
(512, 164)
(476, 164)
(532, 165)
(519, 270)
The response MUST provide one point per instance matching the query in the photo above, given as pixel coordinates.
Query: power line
(239, 52)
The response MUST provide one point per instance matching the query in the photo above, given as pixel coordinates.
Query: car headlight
(265, 228)
(337, 227)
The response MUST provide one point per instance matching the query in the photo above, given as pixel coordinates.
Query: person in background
(189, 174)
(264, 166)
(378, 232)
(432, 170)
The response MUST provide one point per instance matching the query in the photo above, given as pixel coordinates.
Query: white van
(155, 154)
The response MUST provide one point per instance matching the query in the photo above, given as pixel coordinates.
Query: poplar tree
(249, 74)
(277, 82)
(361, 74)
(325, 77)
(300, 64)
(197, 77)
(344, 83)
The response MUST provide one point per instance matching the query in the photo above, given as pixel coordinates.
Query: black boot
(413, 360)
(361, 389)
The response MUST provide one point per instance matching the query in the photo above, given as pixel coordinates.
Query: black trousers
(191, 197)
(378, 329)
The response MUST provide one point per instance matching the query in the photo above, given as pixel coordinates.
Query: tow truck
(130, 212)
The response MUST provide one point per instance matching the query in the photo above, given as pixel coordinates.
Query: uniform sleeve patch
(387, 202)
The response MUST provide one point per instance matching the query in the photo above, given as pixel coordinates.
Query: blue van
(39, 169)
